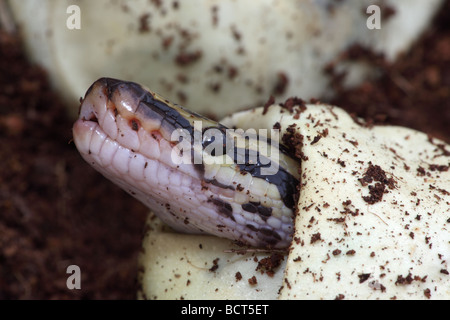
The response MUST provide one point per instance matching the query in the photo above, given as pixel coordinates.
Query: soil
(56, 211)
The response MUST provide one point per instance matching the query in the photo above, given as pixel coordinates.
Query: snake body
(131, 135)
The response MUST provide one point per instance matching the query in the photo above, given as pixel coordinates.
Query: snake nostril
(87, 111)
(93, 118)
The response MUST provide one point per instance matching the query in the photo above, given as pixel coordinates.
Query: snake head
(134, 138)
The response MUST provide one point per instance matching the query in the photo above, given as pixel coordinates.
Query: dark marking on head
(223, 207)
(256, 207)
(270, 233)
(170, 118)
(244, 158)
(218, 184)
(134, 123)
(285, 182)
(264, 212)
(249, 207)
(252, 161)
(104, 82)
(200, 168)
(270, 237)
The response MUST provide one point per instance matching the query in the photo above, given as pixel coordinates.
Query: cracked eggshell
(214, 57)
(180, 266)
(373, 218)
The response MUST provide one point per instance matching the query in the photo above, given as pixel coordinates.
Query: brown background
(56, 211)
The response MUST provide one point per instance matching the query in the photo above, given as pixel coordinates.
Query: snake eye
(214, 141)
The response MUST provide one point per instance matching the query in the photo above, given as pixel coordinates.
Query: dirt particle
(186, 58)
(316, 139)
(270, 264)
(281, 84)
(363, 277)
(375, 173)
(269, 102)
(315, 237)
(253, 281)
(215, 265)
(144, 25)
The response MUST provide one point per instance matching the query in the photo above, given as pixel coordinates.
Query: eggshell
(373, 219)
